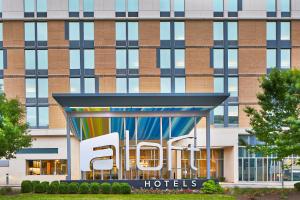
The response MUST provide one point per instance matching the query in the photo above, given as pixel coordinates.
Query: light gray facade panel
(58, 9)
(13, 9)
(104, 9)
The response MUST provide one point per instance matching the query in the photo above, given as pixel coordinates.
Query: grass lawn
(115, 197)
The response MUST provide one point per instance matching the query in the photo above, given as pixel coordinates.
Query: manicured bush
(95, 188)
(125, 188)
(105, 188)
(297, 186)
(211, 187)
(115, 188)
(63, 188)
(45, 184)
(39, 188)
(53, 187)
(222, 179)
(5, 190)
(26, 187)
(84, 188)
(73, 188)
(34, 183)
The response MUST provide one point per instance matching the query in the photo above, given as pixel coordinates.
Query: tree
(13, 130)
(276, 123)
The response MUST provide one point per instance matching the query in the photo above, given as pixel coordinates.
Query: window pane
(271, 5)
(89, 59)
(233, 86)
(42, 32)
(232, 31)
(219, 115)
(233, 5)
(88, 30)
(88, 5)
(1, 30)
(133, 85)
(165, 85)
(271, 30)
(179, 58)
(29, 31)
(30, 59)
(1, 86)
(42, 59)
(285, 31)
(179, 85)
(1, 60)
(285, 59)
(133, 5)
(31, 116)
(121, 59)
(30, 88)
(233, 114)
(133, 31)
(121, 85)
(73, 5)
(165, 33)
(271, 58)
(285, 5)
(179, 30)
(232, 58)
(133, 56)
(43, 116)
(218, 6)
(29, 5)
(218, 31)
(218, 85)
(218, 58)
(165, 59)
(165, 5)
(74, 59)
(120, 31)
(74, 31)
(120, 6)
(89, 85)
(1, 7)
(75, 85)
(43, 87)
(41, 5)
(179, 5)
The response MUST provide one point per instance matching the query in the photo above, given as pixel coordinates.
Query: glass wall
(46, 167)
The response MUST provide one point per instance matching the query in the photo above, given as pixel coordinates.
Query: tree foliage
(276, 123)
(13, 129)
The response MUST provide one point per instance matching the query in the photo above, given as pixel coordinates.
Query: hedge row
(74, 187)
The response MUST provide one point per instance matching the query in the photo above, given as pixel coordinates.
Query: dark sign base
(161, 184)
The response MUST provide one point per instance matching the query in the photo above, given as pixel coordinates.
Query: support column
(68, 147)
(208, 145)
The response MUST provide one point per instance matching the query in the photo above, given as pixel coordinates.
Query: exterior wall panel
(105, 33)
(15, 88)
(13, 34)
(252, 61)
(105, 61)
(199, 33)
(15, 62)
(198, 61)
(148, 62)
(252, 33)
(107, 84)
(58, 62)
(149, 34)
(150, 84)
(56, 34)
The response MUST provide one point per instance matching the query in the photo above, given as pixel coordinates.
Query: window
(232, 58)
(285, 5)
(219, 115)
(1, 7)
(232, 31)
(218, 6)
(29, 31)
(271, 30)
(30, 59)
(74, 31)
(133, 85)
(42, 88)
(133, 31)
(179, 85)
(89, 85)
(43, 116)
(180, 58)
(218, 84)
(74, 59)
(271, 58)
(46, 167)
(41, 5)
(133, 58)
(88, 5)
(42, 31)
(120, 5)
(218, 58)
(233, 5)
(121, 84)
(233, 85)
(88, 28)
(29, 6)
(89, 59)
(165, 85)
(271, 5)
(233, 115)
(218, 31)
(285, 30)
(133, 5)
(30, 88)
(179, 5)
(31, 116)
(120, 30)
(75, 85)
(1, 30)
(1, 60)
(73, 5)
(121, 59)
(165, 31)
(1, 86)
(179, 30)
(285, 55)
(165, 58)
(165, 6)
(42, 57)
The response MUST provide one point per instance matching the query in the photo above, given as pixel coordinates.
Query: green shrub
(53, 187)
(125, 188)
(34, 183)
(73, 188)
(39, 188)
(45, 184)
(211, 187)
(115, 188)
(26, 187)
(63, 188)
(84, 188)
(5, 190)
(222, 179)
(297, 186)
(95, 187)
(105, 188)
